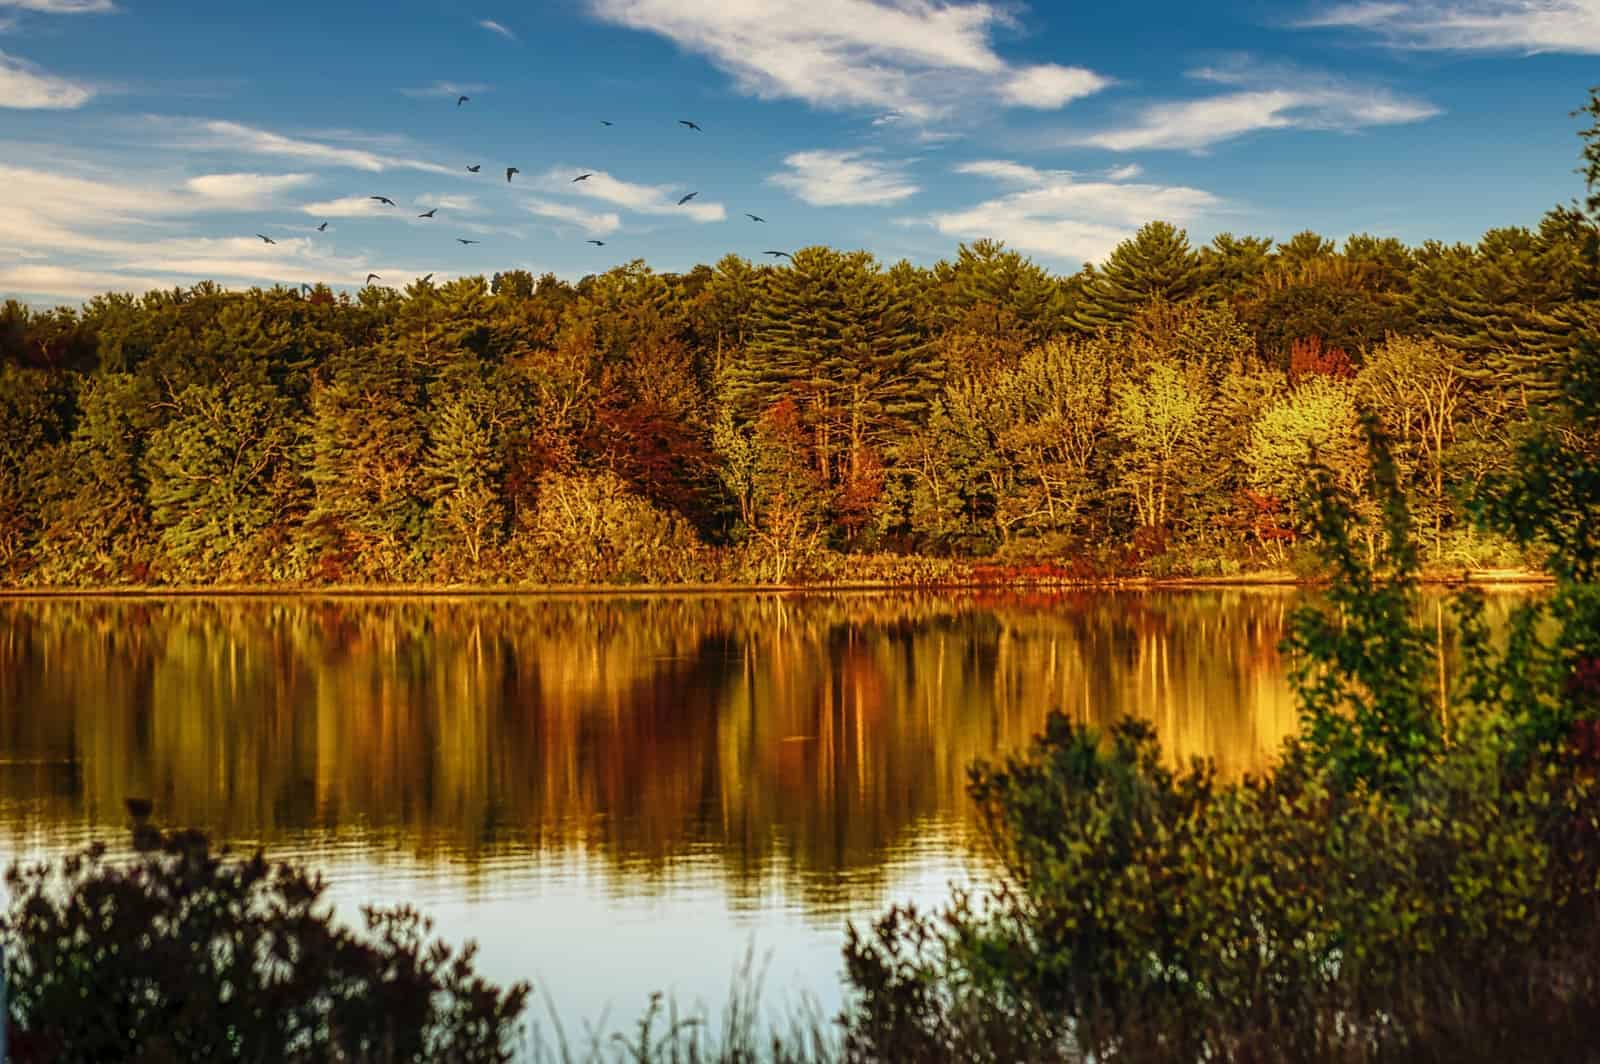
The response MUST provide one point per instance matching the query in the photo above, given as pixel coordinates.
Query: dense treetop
(754, 421)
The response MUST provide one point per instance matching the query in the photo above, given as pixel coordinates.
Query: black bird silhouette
(139, 808)
(461, 100)
(385, 200)
(509, 171)
(425, 278)
(691, 125)
(687, 198)
(603, 122)
(323, 228)
(266, 239)
(581, 177)
(596, 243)
(754, 217)
(474, 169)
(373, 277)
(462, 240)
(427, 214)
(775, 254)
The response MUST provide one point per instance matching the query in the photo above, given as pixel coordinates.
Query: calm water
(617, 795)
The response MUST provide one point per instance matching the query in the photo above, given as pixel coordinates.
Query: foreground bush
(1418, 880)
(185, 955)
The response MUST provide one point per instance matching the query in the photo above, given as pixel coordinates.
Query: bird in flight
(474, 169)
(463, 240)
(596, 243)
(425, 278)
(266, 239)
(687, 198)
(323, 228)
(581, 177)
(461, 100)
(509, 171)
(603, 122)
(691, 125)
(776, 254)
(385, 200)
(427, 213)
(373, 277)
(754, 217)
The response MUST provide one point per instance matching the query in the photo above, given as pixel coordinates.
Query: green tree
(1156, 263)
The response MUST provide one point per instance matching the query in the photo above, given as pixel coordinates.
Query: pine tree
(1156, 263)
(96, 521)
(834, 336)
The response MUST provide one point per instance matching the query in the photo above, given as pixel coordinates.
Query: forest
(827, 419)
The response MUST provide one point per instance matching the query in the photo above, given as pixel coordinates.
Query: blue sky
(145, 143)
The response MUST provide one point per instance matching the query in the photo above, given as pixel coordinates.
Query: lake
(613, 795)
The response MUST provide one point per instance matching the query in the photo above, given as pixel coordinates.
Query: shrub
(1418, 879)
(185, 954)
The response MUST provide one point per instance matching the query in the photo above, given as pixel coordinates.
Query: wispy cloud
(241, 191)
(353, 207)
(1570, 26)
(494, 27)
(842, 179)
(1049, 87)
(71, 236)
(453, 204)
(645, 199)
(447, 89)
(63, 7)
(24, 86)
(915, 57)
(233, 136)
(597, 223)
(1054, 213)
(1264, 99)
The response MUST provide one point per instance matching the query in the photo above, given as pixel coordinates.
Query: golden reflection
(816, 731)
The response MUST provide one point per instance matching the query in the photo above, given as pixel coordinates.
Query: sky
(152, 143)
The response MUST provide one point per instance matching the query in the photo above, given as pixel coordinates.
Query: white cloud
(24, 86)
(646, 199)
(71, 282)
(1053, 213)
(62, 7)
(353, 207)
(1568, 26)
(842, 179)
(1124, 173)
(1264, 98)
(916, 57)
(494, 27)
(1049, 87)
(590, 222)
(243, 190)
(454, 204)
(71, 236)
(232, 136)
(450, 90)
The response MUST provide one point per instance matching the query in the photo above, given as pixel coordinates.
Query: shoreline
(1491, 578)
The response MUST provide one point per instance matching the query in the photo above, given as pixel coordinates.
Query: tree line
(1156, 413)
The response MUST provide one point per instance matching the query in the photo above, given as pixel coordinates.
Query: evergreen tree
(1156, 263)
(836, 338)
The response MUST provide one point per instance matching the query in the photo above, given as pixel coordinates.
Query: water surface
(613, 795)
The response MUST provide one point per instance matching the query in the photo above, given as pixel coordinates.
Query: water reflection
(643, 783)
(645, 729)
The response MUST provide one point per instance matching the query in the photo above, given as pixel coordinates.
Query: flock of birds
(512, 171)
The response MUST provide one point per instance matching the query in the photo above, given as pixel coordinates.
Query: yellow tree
(1417, 388)
(1159, 416)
